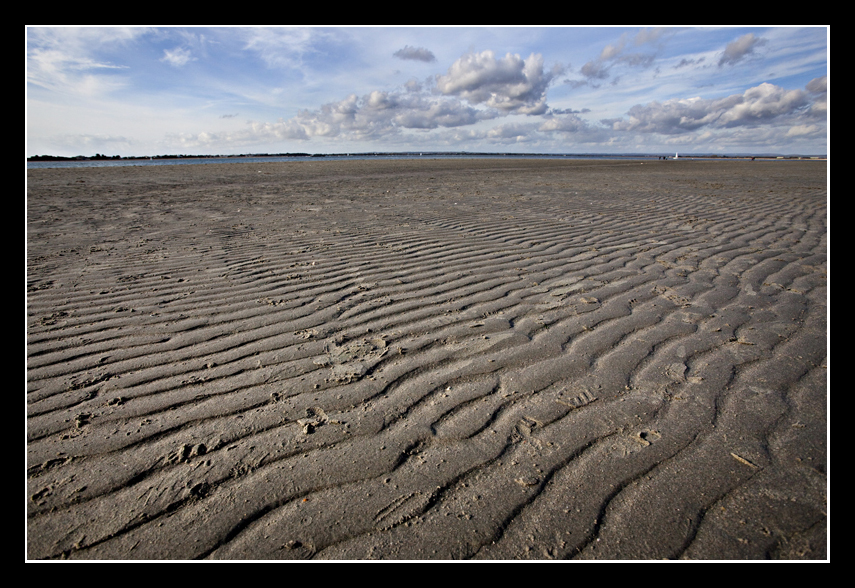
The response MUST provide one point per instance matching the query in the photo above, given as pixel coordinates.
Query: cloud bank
(477, 87)
(765, 103)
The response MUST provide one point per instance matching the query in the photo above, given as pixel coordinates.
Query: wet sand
(442, 359)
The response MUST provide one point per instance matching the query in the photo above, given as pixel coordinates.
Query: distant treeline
(101, 157)
(97, 156)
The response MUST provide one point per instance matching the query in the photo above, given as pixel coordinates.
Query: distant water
(249, 159)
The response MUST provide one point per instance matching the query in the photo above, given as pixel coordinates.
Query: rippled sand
(444, 359)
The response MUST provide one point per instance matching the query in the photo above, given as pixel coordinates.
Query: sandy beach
(428, 359)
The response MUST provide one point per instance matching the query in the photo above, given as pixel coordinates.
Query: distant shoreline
(99, 159)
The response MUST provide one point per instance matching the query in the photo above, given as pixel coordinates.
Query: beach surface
(428, 359)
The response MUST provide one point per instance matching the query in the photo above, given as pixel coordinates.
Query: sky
(139, 91)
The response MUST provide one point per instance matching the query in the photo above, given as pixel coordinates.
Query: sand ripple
(438, 359)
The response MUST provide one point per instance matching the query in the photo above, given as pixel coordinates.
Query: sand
(428, 359)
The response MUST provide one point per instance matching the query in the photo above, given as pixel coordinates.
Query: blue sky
(231, 90)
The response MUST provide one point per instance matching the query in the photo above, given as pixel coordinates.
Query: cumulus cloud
(415, 54)
(737, 50)
(509, 84)
(765, 103)
(431, 114)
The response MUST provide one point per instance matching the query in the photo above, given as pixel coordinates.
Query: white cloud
(764, 102)
(280, 47)
(64, 60)
(70, 74)
(509, 84)
(177, 57)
